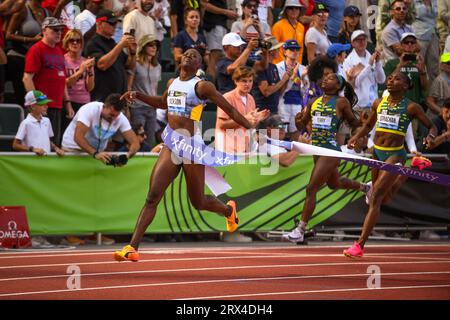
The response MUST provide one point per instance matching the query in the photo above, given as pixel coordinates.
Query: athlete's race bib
(321, 122)
(388, 121)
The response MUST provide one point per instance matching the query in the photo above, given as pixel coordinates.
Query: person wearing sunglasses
(390, 38)
(141, 135)
(79, 71)
(49, 77)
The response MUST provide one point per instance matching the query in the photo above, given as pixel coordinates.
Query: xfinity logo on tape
(12, 232)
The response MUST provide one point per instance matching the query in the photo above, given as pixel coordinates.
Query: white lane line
(249, 295)
(45, 253)
(226, 280)
(221, 268)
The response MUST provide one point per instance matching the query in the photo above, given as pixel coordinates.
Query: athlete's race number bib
(321, 122)
(389, 121)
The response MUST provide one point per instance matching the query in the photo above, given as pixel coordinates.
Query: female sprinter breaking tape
(392, 115)
(184, 98)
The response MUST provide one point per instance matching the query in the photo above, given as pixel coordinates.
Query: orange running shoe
(128, 253)
(233, 219)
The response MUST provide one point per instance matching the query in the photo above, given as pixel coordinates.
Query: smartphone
(410, 57)
(132, 32)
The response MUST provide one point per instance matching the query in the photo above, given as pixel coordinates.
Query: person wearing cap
(145, 78)
(35, 131)
(288, 27)
(412, 63)
(440, 88)
(45, 71)
(352, 22)
(140, 20)
(291, 101)
(338, 52)
(20, 40)
(390, 37)
(85, 21)
(250, 26)
(268, 83)
(336, 15)
(112, 60)
(234, 58)
(368, 75)
(190, 37)
(367, 10)
(316, 39)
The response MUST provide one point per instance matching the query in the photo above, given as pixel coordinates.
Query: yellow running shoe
(233, 219)
(128, 253)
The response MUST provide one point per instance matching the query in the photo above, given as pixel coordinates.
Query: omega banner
(14, 232)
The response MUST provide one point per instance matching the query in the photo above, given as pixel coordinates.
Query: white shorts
(214, 38)
(288, 112)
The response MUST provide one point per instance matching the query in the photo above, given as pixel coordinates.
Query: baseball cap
(232, 39)
(36, 97)
(291, 44)
(445, 57)
(406, 35)
(51, 22)
(336, 48)
(351, 11)
(106, 15)
(320, 7)
(358, 33)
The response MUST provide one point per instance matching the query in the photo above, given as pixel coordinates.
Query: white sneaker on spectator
(296, 235)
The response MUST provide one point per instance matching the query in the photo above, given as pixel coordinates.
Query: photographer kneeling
(94, 124)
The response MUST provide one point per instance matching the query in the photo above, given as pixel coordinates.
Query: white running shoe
(296, 235)
(368, 191)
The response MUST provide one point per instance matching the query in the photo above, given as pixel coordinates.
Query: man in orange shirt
(289, 27)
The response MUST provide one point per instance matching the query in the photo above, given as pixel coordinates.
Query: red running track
(247, 273)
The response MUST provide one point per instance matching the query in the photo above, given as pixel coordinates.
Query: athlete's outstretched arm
(159, 102)
(206, 90)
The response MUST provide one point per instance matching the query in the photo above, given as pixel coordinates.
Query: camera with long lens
(117, 160)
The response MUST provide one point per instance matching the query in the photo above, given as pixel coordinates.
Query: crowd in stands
(257, 53)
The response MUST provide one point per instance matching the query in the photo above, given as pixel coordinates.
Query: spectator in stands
(111, 62)
(336, 15)
(231, 137)
(291, 101)
(307, 18)
(141, 135)
(80, 78)
(441, 143)
(370, 74)
(94, 124)
(160, 13)
(140, 21)
(289, 27)
(23, 31)
(45, 71)
(234, 58)
(367, 17)
(176, 14)
(443, 21)
(384, 15)
(35, 132)
(412, 63)
(215, 26)
(250, 26)
(352, 22)
(268, 84)
(144, 78)
(316, 39)
(392, 33)
(440, 88)
(265, 12)
(338, 52)
(85, 21)
(190, 38)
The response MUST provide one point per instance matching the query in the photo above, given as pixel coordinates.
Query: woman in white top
(316, 38)
(249, 27)
(145, 78)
